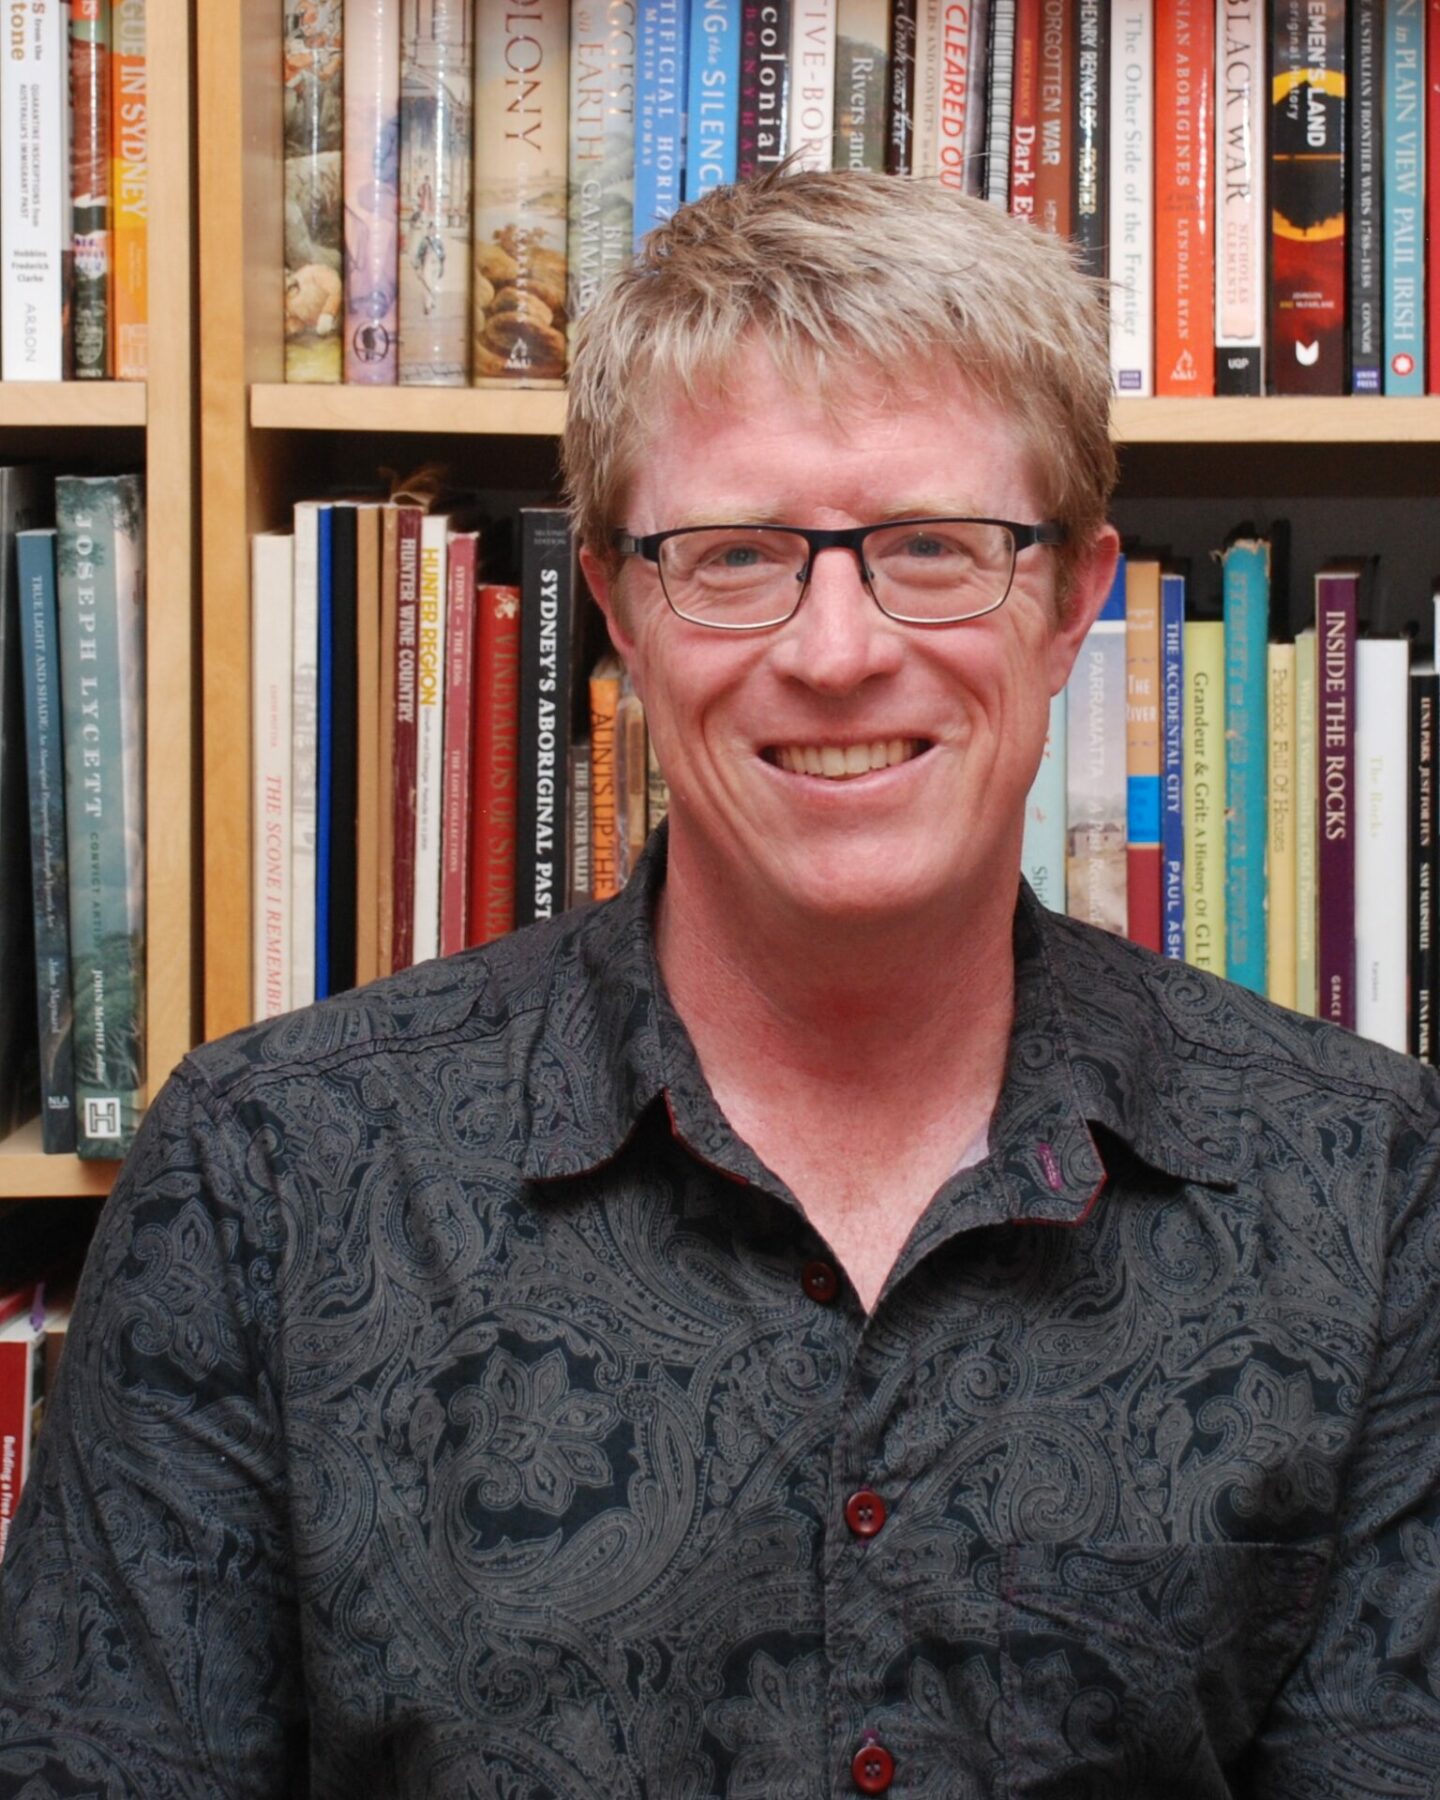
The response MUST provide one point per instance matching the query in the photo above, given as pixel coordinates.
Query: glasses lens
(944, 569)
(730, 575)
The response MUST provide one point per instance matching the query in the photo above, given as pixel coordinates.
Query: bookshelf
(150, 425)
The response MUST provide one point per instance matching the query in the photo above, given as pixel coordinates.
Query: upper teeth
(851, 759)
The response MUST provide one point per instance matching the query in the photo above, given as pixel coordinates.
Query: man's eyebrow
(924, 507)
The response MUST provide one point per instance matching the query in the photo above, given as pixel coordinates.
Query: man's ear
(602, 585)
(1090, 583)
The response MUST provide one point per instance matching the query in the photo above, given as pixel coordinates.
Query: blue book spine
(1172, 765)
(1042, 859)
(712, 124)
(1403, 112)
(659, 113)
(324, 749)
(1246, 566)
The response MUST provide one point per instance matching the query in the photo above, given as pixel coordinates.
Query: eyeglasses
(917, 571)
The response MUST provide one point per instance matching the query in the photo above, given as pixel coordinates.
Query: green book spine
(101, 576)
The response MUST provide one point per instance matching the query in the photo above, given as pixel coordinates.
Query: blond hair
(827, 269)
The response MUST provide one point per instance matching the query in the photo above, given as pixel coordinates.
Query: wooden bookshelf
(467, 411)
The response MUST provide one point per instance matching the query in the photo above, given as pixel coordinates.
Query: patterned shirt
(455, 1406)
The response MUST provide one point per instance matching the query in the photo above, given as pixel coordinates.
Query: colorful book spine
(900, 101)
(1307, 825)
(1205, 794)
(49, 881)
(1089, 208)
(951, 62)
(1424, 862)
(1382, 926)
(497, 722)
(459, 764)
(1403, 199)
(314, 209)
(20, 1363)
(101, 568)
(305, 741)
(371, 169)
(1280, 866)
(1042, 855)
(712, 123)
(602, 146)
(437, 79)
(1095, 771)
(862, 77)
(812, 83)
(34, 195)
(1336, 595)
(1432, 195)
(1307, 197)
(407, 714)
(1240, 199)
(1132, 197)
(272, 610)
(386, 652)
(429, 736)
(1001, 103)
(1185, 197)
(1025, 110)
(90, 187)
(660, 109)
(1246, 566)
(130, 193)
(1055, 172)
(1143, 753)
(925, 107)
(1364, 216)
(604, 835)
(547, 595)
(1172, 759)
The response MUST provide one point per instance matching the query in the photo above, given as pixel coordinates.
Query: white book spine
(1382, 888)
(925, 106)
(1240, 216)
(34, 191)
(812, 82)
(272, 574)
(305, 729)
(1096, 779)
(1132, 196)
(430, 735)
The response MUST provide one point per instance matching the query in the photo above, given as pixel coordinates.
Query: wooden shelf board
(79, 403)
(524, 412)
(1279, 419)
(27, 1173)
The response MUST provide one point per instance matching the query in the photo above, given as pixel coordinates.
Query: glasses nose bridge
(852, 538)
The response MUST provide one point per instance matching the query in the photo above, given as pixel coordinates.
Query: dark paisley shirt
(457, 1407)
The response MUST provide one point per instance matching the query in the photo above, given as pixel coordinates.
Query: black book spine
(547, 599)
(1424, 865)
(1365, 219)
(1092, 148)
(344, 724)
(900, 111)
(772, 105)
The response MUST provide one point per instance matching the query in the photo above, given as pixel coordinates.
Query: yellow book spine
(130, 187)
(1280, 858)
(1205, 794)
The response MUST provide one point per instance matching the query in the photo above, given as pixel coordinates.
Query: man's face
(730, 713)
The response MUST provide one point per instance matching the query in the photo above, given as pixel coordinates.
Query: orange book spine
(1055, 106)
(1185, 197)
(130, 192)
(604, 809)
(1024, 111)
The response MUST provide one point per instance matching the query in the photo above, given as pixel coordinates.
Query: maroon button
(820, 1281)
(872, 1768)
(865, 1512)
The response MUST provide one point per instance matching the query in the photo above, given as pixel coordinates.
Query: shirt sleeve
(148, 1629)
(1360, 1714)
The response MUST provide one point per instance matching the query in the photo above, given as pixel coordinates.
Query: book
(1143, 755)
(338, 798)
(437, 80)
(1095, 771)
(1245, 566)
(429, 735)
(1432, 194)
(371, 170)
(1336, 600)
(925, 100)
(372, 797)
(1042, 854)
(21, 1339)
(812, 83)
(1364, 220)
(900, 99)
(1382, 927)
(272, 686)
(769, 83)
(1132, 196)
(304, 748)
(1240, 200)
(1403, 194)
(1307, 197)
(1424, 844)
(862, 79)
(386, 652)
(660, 108)
(1185, 197)
(1307, 824)
(129, 192)
(1172, 763)
(324, 743)
(547, 584)
(1280, 861)
(1000, 70)
(519, 229)
(712, 119)
(409, 517)
(458, 763)
(497, 719)
(49, 880)
(957, 56)
(314, 143)
(1025, 110)
(90, 188)
(35, 249)
(1205, 933)
(605, 679)
(100, 563)
(602, 149)
(578, 825)
(631, 779)
(1089, 214)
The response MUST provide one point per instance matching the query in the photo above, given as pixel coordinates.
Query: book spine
(342, 745)
(1185, 197)
(1042, 855)
(314, 144)
(101, 581)
(324, 739)
(631, 779)
(1025, 110)
(522, 138)
(1095, 772)
(1364, 220)
(1001, 108)
(371, 801)
(602, 146)
(660, 108)
(371, 168)
(130, 192)
(925, 110)
(1240, 200)
(437, 78)
(772, 128)
(33, 149)
(17, 1410)
(1143, 756)
(541, 877)
(713, 109)
(407, 640)
(949, 69)
(900, 101)
(604, 833)
(1382, 926)
(1246, 565)
(1432, 195)
(272, 575)
(578, 823)
(429, 738)
(1307, 826)
(1172, 754)
(982, 13)
(1403, 139)
(386, 652)
(1055, 167)
(1424, 864)
(50, 886)
(812, 76)
(1280, 837)
(459, 740)
(862, 78)
(305, 740)
(1132, 197)
(90, 187)
(657, 790)
(497, 718)
(1089, 208)
(1205, 794)
(1335, 607)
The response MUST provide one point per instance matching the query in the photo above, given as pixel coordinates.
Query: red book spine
(1055, 102)
(1185, 197)
(1432, 197)
(1144, 913)
(459, 743)
(17, 1378)
(497, 732)
(407, 638)
(1025, 109)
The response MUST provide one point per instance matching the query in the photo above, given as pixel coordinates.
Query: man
(816, 1324)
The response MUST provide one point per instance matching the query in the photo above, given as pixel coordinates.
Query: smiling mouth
(844, 762)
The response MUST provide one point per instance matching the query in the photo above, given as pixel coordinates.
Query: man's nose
(839, 637)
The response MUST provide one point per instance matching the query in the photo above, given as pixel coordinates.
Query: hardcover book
(21, 1366)
(1055, 173)
(712, 121)
(272, 624)
(437, 79)
(1096, 778)
(812, 83)
(1364, 216)
(497, 721)
(999, 111)
(90, 188)
(578, 824)
(1132, 197)
(1280, 833)
(314, 142)
(324, 743)
(1089, 202)
(1042, 855)
(1246, 569)
(1424, 847)
(900, 100)
(660, 109)
(429, 735)
(457, 807)
(1240, 200)
(1172, 763)
(1336, 599)
(1185, 197)
(862, 81)
(767, 25)
(1382, 926)
(1205, 794)
(604, 834)
(407, 716)
(1307, 825)
(305, 741)
(1143, 755)
(34, 196)
(339, 694)
(547, 580)
(1025, 110)
(129, 193)
(372, 796)
(386, 651)
(1403, 195)
(371, 169)
(602, 146)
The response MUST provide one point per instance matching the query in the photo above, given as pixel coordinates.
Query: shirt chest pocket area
(1127, 1667)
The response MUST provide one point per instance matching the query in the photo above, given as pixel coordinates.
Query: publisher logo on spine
(102, 1117)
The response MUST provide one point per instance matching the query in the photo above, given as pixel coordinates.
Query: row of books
(72, 803)
(74, 192)
(33, 1322)
(1268, 810)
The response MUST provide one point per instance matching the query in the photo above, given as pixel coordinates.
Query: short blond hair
(826, 270)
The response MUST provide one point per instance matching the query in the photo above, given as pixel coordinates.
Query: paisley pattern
(445, 1415)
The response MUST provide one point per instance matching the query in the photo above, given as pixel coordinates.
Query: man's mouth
(844, 762)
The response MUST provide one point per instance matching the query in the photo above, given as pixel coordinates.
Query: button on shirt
(449, 1411)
